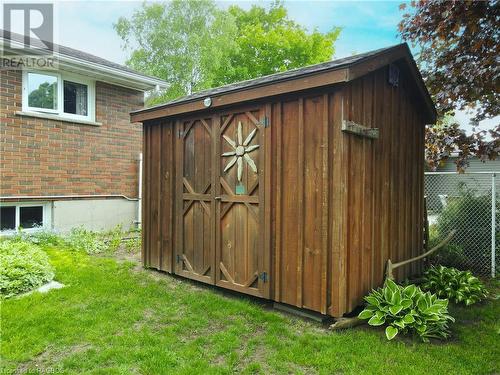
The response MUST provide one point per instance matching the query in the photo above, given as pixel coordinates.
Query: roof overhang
(297, 83)
(98, 71)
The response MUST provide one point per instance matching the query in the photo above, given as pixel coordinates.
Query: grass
(114, 318)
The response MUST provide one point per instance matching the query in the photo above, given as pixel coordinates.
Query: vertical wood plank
(278, 212)
(266, 205)
(145, 197)
(215, 205)
(300, 198)
(166, 197)
(338, 208)
(324, 203)
(179, 200)
(368, 144)
(290, 207)
(312, 202)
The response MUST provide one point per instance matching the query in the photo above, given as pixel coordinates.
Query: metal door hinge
(265, 122)
(263, 276)
(180, 133)
(179, 258)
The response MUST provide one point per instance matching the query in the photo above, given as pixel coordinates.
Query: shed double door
(220, 199)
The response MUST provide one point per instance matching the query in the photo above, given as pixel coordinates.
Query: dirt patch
(49, 361)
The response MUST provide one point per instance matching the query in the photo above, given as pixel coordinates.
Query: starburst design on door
(241, 150)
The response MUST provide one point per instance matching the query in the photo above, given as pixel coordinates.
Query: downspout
(139, 201)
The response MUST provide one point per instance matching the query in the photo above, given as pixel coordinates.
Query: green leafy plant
(133, 245)
(23, 267)
(113, 238)
(469, 213)
(42, 237)
(458, 286)
(91, 242)
(407, 310)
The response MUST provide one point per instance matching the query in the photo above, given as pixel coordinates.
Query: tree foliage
(186, 43)
(459, 43)
(45, 96)
(269, 42)
(194, 45)
(446, 138)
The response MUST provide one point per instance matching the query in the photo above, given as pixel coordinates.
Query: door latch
(263, 276)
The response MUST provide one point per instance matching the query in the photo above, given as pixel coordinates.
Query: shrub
(93, 242)
(407, 310)
(113, 238)
(133, 245)
(81, 239)
(470, 214)
(458, 286)
(42, 237)
(23, 267)
(451, 254)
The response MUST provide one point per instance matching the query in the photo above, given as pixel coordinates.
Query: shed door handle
(217, 198)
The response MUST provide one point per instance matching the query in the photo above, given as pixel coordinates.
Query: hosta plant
(458, 286)
(407, 310)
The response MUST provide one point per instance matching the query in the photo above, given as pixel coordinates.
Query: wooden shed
(295, 187)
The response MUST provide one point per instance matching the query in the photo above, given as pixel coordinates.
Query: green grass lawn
(114, 317)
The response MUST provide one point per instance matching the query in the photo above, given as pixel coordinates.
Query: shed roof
(340, 70)
(73, 59)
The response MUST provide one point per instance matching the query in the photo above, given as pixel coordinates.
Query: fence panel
(469, 203)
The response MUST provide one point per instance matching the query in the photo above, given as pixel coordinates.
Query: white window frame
(61, 77)
(26, 106)
(46, 216)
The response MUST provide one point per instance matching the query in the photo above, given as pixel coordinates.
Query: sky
(366, 25)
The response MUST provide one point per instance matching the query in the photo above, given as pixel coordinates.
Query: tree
(459, 44)
(44, 96)
(269, 42)
(183, 42)
(193, 45)
(446, 137)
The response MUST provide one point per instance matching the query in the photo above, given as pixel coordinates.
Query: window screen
(75, 98)
(30, 217)
(8, 218)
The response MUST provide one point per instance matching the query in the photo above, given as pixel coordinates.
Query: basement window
(65, 95)
(8, 218)
(24, 216)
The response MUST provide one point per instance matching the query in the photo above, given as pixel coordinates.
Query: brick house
(69, 155)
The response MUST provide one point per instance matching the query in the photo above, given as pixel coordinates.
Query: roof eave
(256, 92)
(344, 73)
(116, 76)
(112, 75)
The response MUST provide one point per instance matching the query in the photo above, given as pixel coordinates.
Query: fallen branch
(343, 323)
(391, 267)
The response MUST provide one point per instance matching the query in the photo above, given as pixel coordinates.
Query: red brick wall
(47, 157)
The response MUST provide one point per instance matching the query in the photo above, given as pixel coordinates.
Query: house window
(42, 92)
(26, 216)
(75, 98)
(30, 217)
(64, 95)
(8, 218)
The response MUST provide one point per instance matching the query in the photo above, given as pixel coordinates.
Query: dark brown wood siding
(340, 204)
(158, 195)
(383, 195)
(344, 204)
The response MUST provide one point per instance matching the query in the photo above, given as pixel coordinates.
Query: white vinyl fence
(469, 203)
